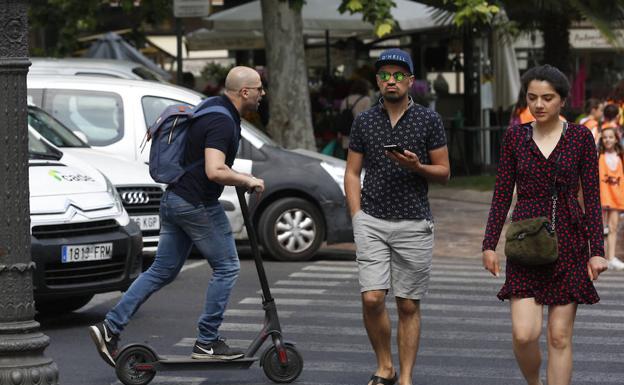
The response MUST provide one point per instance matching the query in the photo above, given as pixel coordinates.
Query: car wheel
(63, 305)
(291, 229)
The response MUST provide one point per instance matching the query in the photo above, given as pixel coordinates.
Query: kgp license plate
(83, 253)
(147, 222)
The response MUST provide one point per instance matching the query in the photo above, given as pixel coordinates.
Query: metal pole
(21, 344)
(327, 55)
(178, 27)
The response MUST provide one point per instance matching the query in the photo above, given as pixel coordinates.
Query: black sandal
(374, 380)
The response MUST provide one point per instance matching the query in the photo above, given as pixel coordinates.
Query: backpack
(168, 135)
(344, 120)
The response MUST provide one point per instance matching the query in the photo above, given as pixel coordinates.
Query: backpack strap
(205, 111)
(213, 109)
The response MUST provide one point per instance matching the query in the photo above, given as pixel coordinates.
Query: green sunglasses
(398, 76)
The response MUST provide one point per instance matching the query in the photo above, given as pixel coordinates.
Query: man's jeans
(183, 225)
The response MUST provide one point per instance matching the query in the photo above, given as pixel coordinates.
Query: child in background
(611, 174)
(594, 109)
(611, 116)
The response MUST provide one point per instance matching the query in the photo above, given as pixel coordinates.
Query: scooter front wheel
(276, 371)
(126, 366)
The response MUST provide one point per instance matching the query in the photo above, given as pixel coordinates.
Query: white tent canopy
(241, 27)
(506, 73)
(321, 15)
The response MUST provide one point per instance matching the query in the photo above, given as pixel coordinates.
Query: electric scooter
(137, 364)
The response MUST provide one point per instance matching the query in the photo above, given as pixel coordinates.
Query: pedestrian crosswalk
(466, 330)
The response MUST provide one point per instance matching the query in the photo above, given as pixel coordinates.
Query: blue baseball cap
(395, 56)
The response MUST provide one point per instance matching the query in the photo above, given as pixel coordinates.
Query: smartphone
(394, 147)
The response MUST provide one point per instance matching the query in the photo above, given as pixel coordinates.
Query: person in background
(521, 113)
(611, 117)
(594, 109)
(534, 156)
(611, 174)
(356, 102)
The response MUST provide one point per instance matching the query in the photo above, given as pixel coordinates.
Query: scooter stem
(253, 240)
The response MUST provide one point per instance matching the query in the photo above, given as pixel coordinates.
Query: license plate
(147, 222)
(83, 253)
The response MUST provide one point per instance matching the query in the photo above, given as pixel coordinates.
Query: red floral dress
(579, 234)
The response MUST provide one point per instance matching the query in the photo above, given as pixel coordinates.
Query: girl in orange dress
(611, 174)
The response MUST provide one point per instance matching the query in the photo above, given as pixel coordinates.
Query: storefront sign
(191, 8)
(580, 38)
(593, 39)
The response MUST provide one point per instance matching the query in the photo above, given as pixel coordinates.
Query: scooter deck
(170, 362)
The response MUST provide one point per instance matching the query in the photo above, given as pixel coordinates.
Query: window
(96, 113)
(34, 97)
(153, 106)
(52, 130)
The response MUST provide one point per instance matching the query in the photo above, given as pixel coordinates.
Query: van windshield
(52, 129)
(39, 149)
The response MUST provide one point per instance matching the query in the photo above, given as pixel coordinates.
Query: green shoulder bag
(533, 241)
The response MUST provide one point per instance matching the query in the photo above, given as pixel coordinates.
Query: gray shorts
(393, 254)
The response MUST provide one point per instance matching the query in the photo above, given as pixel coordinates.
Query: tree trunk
(556, 30)
(290, 117)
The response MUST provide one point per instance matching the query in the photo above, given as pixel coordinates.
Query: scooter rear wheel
(125, 366)
(277, 372)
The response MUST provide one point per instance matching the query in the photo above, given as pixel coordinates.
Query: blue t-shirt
(391, 191)
(213, 130)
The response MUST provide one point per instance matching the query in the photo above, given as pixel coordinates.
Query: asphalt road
(466, 331)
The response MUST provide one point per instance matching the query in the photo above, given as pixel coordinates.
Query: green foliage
(62, 22)
(376, 12)
(215, 72)
(473, 12)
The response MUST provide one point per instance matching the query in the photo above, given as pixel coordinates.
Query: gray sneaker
(105, 342)
(216, 350)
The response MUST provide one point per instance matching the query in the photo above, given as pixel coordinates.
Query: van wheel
(291, 229)
(63, 305)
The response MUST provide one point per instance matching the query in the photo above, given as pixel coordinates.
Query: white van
(82, 66)
(139, 193)
(82, 240)
(303, 204)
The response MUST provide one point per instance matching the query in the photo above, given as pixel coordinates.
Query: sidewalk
(460, 217)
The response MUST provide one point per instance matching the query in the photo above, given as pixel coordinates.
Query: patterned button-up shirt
(391, 191)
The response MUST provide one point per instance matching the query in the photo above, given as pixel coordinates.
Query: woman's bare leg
(560, 330)
(526, 325)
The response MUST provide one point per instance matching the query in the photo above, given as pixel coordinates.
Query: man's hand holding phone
(403, 157)
(394, 148)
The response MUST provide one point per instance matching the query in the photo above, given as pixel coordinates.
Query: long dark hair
(618, 147)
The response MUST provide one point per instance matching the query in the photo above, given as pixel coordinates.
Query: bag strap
(205, 111)
(553, 188)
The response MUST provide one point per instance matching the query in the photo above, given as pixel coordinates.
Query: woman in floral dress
(532, 155)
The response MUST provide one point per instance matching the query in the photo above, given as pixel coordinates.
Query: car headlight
(337, 174)
(123, 217)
